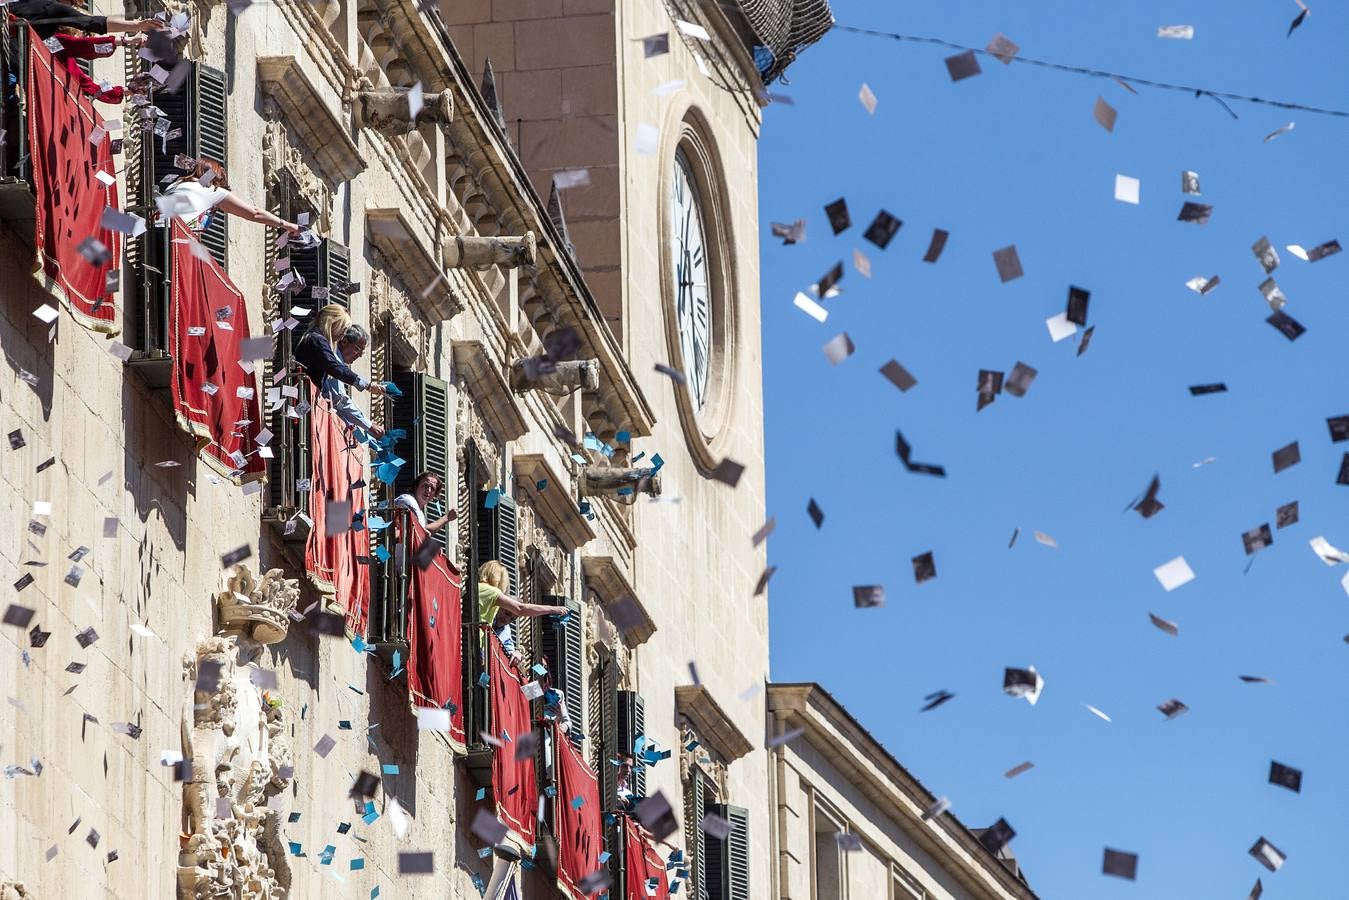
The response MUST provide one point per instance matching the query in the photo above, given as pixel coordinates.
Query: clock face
(693, 299)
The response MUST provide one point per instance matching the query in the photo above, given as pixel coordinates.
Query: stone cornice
(554, 505)
(489, 388)
(610, 583)
(861, 759)
(714, 728)
(561, 283)
(310, 114)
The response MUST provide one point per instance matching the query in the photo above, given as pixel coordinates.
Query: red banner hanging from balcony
(213, 398)
(68, 148)
(435, 663)
(515, 787)
(334, 550)
(645, 869)
(580, 834)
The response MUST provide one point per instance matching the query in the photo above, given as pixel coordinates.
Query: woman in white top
(424, 490)
(197, 195)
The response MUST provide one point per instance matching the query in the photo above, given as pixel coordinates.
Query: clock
(692, 282)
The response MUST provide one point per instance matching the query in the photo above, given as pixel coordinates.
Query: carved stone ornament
(608, 481)
(13, 890)
(388, 111)
(538, 373)
(476, 252)
(281, 159)
(257, 609)
(234, 740)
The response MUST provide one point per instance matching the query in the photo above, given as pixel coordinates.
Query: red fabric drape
(435, 663)
(515, 787)
(70, 200)
(331, 561)
(580, 835)
(224, 423)
(642, 863)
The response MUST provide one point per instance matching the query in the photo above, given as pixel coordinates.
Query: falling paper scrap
(1201, 285)
(1060, 328)
(1174, 574)
(1329, 248)
(1026, 683)
(1120, 864)
(839, 219)
(839, 348)
(868, 596)
(1104, 114)
(1170, 628)
(1172, 708)
(1268, 855)
(1197, 213)
(1286, 325)
(810, 307)
(1126, 189)
(1283, 129)
(867, 98)
(1008, 263)
(1189, 182)
(936, 699)
(962, 65)
(1176, 32)
(1096, 712)
(1003, 47)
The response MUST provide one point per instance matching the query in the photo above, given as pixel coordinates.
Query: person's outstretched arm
(236, 206)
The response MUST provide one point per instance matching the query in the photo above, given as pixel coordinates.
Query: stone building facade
(556, 256)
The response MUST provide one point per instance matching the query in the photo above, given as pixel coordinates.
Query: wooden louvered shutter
(475, 715)
(211, 126)
(497, 536)
(423, 411)
(605, 707)
(631, 726)
(694, 838)
(727, 868)
(562, 648)
(327, 265)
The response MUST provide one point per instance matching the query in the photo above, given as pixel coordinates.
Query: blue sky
(1013, 156)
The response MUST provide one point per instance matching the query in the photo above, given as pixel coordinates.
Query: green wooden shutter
(562, 650)
(424, 411)
(327, 265)
(694, 838)
(497, 537)
(211, 124)
(728, 860)
(475, 714)
(632, 725)
(606, 749)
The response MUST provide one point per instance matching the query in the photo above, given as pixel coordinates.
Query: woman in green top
(498, 608)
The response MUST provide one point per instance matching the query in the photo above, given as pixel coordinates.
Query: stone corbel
(622, 484)
(257, 609)
(538, 373)
(404, 250)
(477, 252)
(388, 110)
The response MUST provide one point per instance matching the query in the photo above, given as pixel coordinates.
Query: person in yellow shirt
(498, 608)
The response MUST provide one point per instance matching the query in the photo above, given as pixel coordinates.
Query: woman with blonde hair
(495, 605)
(327, 350)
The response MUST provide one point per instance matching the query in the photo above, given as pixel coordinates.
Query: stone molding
(611, 585)
(307, 111)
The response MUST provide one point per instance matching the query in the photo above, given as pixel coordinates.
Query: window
(561, 647)
(826, 855)
(325, 270)
(194, 124)
(422, 411)
(631, 713)
(491, 535)
(719, 867)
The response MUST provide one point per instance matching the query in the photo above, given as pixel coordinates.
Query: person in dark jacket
(326, 351)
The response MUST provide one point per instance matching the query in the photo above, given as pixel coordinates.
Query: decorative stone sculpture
(234, 740)
(607, 481)
(13, 890)
(387, 110)
(257, 609)
(477, 252)
(538, 373)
